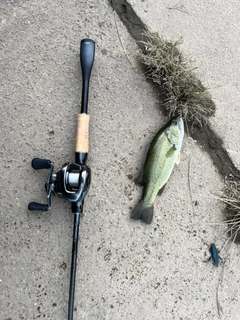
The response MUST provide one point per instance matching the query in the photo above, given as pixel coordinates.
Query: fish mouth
(181, 126)
(178, 121)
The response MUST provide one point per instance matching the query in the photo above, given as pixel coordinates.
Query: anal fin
(160, 192)
(139, 179)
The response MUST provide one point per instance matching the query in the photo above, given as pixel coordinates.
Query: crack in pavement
(132, 22)
(205, 136)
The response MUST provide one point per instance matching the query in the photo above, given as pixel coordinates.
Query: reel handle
(38, 164)
(32, 206)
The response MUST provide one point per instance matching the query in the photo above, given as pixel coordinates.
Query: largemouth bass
(164, 152)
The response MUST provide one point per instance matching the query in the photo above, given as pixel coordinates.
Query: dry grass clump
(183, 93)
(231, 197)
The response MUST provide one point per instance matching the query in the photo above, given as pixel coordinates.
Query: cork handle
(82, 133)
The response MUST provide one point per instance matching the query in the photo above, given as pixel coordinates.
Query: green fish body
(163, 154)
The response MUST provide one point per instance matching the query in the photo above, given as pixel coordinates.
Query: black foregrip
(87, 52)
(41, 164)
(37, 206)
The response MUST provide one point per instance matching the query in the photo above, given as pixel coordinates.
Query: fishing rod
(73, 180)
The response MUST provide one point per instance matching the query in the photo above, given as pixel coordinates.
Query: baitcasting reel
(72, 182)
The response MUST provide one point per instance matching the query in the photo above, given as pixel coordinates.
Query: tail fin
(142, 212)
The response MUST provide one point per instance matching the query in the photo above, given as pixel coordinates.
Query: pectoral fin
(170, 152)
(178, 159)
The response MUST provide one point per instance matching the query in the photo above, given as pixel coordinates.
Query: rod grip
(87, 52)
(82, 133)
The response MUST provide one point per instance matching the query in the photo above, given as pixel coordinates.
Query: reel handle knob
(37, 206)
(38, 164)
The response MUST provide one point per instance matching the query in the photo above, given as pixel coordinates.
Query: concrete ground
(126, 270)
